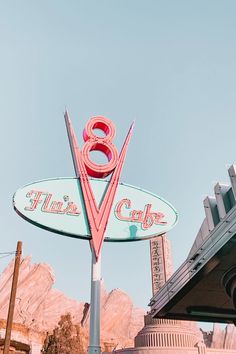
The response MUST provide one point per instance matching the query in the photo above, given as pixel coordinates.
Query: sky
(168, 65)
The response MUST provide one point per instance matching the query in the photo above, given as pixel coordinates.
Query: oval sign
(57, 205)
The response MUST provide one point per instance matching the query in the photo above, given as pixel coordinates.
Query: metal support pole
(12, 298)
(94, 330)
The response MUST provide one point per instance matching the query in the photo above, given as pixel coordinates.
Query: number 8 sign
(103, 144)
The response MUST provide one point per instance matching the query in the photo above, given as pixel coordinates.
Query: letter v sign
(97, 217)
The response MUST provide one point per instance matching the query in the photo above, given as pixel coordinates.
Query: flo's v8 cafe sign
(95, 209)
(57, 205)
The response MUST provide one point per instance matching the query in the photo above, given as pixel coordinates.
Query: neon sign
(49, 205)
(84, 167)
(94, 208)
(146, 217)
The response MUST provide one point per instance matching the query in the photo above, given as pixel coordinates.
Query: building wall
(22, 334)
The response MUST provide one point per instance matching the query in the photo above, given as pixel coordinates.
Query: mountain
(39, 306)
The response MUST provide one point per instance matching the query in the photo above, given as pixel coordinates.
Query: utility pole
(12, 298)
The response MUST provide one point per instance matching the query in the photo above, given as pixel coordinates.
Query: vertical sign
(161, 263)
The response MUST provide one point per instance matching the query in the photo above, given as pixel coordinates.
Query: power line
(6, 255)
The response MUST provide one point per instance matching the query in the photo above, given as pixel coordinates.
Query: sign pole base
(94, 330)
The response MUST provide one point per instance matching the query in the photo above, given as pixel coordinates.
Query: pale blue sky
(170, 65)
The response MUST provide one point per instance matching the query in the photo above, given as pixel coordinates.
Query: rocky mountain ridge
(39, 306)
